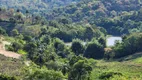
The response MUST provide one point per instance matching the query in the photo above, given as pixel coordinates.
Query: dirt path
(8, 53)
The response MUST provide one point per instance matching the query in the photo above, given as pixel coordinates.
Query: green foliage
(77, 47)
(58, 44)
(14, 32)
(53, 65)
(15, 46)
(4, 77)
(45, 39)
(116, 18)
(39, 6)
(59, 47)
(22, 52)
(130, 45)
(75, 59)
(108, 75)
(43, 74)
(2, 31)
(81, 71)
(89, 33)
(94, 50)
(41, 35)
(10, 68)
(102, 41)
(31, 49)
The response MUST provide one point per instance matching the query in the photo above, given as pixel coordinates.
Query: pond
(111, 40)
(70, 43)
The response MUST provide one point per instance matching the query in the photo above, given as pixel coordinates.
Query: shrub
(43, 74)
(5, 77)
(107, 75)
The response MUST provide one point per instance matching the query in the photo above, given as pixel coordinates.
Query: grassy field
(127, 68)
(10, 66)
(130, 68)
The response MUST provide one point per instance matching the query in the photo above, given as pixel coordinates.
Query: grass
(128, 69)
(10, 66)
(138, 60)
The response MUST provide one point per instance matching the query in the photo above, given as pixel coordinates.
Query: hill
(35, 6)
(39, 30)
(121, 16)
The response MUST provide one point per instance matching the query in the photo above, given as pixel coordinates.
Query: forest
(67, 39)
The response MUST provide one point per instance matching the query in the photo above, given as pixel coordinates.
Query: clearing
(8, 53)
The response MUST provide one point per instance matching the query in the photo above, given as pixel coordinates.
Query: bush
(107, 75)
(43, 74)
(4, 77)
(22, 52)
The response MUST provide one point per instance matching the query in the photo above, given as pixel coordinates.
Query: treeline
(20, 24)
(131, 44)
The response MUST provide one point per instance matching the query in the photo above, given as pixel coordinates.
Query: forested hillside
(36, 6)
(67, 39)
(123, 16)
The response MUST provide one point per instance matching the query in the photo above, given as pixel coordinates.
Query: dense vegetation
(116, 16)
(36, 6)
(42, 38)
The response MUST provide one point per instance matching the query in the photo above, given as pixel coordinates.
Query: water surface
(111, 40)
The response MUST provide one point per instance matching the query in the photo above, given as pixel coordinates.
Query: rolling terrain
(68, 40)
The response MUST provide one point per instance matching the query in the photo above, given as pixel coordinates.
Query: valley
(70, 40)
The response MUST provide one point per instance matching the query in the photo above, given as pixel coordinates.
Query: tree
(12, 20)
(81, 71)
(15, 32)
(64, 21)
(89, 33)
(94, 50)
(2, 31)
(27, 13)
(59, 45)
(31, 48)
(16, 46)
(40, 59)
(77, 47)
(45, 39)
(27, 38)
(102, 41)
(18, 10)
(130, 45)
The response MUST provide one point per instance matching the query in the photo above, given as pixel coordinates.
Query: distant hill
(113, 15)
(118, 17)
(35, 5)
